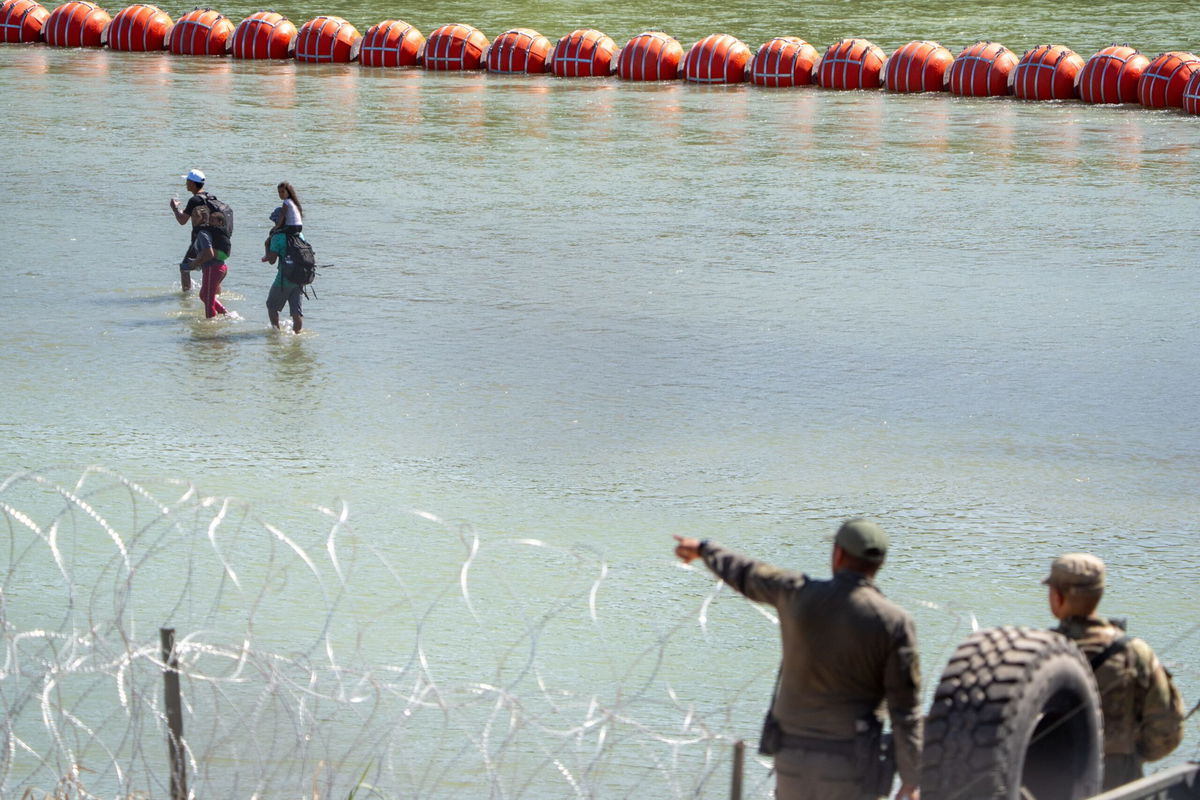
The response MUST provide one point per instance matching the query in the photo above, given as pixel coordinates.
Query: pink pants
(210, 287)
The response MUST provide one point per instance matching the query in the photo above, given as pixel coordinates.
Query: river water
(560, 321)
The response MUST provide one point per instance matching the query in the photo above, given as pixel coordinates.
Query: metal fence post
(174, 709)
(739, 759)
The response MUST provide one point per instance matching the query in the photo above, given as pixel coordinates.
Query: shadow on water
(186, 306)
(142, 299)
(185, 303)
(219, 331)
(293, 358)
(210, 341)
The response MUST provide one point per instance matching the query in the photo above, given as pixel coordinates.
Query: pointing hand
(687, 549)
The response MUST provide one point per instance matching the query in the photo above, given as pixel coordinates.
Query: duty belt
(837, 747)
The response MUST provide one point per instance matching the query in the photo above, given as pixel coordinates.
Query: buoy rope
(644, 56)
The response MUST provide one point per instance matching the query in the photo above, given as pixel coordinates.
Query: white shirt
(291, 214)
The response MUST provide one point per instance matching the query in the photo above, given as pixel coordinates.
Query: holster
(771, 740)
(874, 756)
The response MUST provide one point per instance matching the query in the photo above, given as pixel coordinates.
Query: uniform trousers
(1120, 769)
(808, 775)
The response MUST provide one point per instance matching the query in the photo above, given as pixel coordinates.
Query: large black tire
(1016, 716)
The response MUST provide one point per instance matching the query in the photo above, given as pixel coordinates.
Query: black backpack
(299, 263)
(216, 217)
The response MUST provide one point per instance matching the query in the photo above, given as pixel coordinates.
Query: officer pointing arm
(846, 649)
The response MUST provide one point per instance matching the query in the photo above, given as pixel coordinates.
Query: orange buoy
(650, 56)
(201, 32)
(1161, 85)
(327, 40)
(22, 21)
(850, 64)
(1047, 72)
(1191, 94)
(918, 67)
(585, 53)
(77, 23)
(718, 58)
(981, 70)
(391, 43)
(518, 50)
(264, 34)
(455, 47)
(139, 28)
(1112, 75)
(783, 61)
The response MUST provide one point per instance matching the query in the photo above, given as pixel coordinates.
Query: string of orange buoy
(1115, 74)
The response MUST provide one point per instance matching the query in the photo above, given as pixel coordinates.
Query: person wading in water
(288, 222)
(194, 181)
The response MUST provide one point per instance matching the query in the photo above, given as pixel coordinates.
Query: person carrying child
(289, 221)
(288, 218)
(212, 261)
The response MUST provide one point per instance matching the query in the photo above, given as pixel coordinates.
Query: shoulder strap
(1114, 647)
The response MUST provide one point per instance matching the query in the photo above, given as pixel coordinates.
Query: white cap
(195, 176)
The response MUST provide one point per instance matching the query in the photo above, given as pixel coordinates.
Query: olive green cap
(863, 539)
(1076, 570)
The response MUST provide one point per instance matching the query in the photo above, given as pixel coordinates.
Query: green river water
(428, 540)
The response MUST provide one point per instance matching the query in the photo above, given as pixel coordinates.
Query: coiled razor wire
(331, 664)
(287, 649)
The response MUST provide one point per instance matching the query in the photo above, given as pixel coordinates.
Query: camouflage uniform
(1142, 709)
(846, 649)
(1143, 712)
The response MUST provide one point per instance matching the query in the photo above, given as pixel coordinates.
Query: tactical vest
(1122, 679)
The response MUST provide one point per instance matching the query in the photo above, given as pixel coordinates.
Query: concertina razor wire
(334, 665)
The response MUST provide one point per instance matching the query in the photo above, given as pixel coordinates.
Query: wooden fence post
(739, 760)
(174, 708)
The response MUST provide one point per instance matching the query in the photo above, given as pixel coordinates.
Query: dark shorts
(278, 296)
(186, 264)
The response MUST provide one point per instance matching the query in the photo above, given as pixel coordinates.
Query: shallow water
(593, 314)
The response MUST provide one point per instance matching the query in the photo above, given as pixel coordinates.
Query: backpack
(217, 217)
(299, 263)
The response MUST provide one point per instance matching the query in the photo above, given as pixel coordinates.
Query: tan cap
(1082, 570)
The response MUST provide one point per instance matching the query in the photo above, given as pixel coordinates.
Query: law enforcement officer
(1143, 712)
(846, 649)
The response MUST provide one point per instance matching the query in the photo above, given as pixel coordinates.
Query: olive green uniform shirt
(1143, 712)
(846, 650)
